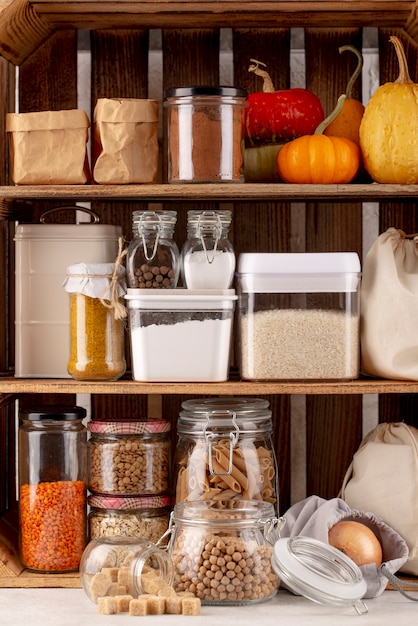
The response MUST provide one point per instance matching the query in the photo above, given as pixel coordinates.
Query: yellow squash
(389, 128)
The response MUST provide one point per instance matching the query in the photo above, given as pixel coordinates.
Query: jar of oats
(129, 458)
(120, 516)
(222, 553)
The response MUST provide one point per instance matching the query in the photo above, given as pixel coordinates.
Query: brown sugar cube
(107, 605)
(173, 605)
(151, 583)
(116, 589)
(156, 605)
(99, 585)
(190, 606)
(123, 577)
(166, 592)
(112, 572)
(138, 606)
(122, 603)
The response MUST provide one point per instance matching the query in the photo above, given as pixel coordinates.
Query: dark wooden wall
(48, 80)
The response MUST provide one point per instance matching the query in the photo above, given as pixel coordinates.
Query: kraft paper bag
(383, 479)
(48, 147)
(389, 307)
(125, 141)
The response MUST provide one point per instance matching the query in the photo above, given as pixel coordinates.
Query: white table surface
(71, 607)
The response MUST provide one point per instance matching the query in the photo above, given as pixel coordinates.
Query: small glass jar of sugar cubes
(132, 575)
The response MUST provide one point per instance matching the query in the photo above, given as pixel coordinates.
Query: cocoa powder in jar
(205, 134)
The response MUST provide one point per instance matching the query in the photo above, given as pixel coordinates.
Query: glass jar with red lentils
(52, 488)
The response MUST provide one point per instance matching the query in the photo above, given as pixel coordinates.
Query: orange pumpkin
(347, 123)
(318, 159)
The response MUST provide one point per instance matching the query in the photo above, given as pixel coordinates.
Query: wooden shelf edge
(221, 192)
(25, 25)
(230, 387)
(29, 580)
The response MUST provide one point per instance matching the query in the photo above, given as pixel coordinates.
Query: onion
(357, 541)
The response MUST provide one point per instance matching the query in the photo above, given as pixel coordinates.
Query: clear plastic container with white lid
(298, 316)
(180, 334)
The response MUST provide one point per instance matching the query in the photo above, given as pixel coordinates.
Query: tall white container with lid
(43, 253)
(298, 316)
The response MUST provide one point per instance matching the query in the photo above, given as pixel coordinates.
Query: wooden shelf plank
(214, 192)
(25, 25)
(230, 387)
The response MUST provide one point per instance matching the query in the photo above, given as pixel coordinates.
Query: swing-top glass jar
(153, 258)
(208, 258)
(124, 565)
(52, 487)
(225, 451)
(223, 554)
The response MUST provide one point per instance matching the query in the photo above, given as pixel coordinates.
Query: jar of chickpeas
(221, 551)
(129, 457)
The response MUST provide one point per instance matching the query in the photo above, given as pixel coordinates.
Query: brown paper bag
(125, 141)
(48, 147)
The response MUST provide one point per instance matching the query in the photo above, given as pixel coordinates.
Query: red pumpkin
(279, 116)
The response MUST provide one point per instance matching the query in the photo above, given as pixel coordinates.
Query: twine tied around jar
(114, 302)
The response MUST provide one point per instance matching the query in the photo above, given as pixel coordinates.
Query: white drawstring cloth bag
(383, 479)
(389, 307)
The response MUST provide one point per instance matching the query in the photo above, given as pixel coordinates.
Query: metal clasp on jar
(204, 225)
(212, 438)
(147, 223)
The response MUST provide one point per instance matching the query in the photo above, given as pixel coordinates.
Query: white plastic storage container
(298, 316)
(180, 334)
(43, 253)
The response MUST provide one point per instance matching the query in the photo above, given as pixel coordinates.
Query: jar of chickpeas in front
(222, 554)
(129, 458)
(225, 451)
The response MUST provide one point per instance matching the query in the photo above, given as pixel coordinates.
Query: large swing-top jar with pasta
(225, 451)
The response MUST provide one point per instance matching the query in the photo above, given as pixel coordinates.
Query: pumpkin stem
(268, 86)
(357, 71)
(331, 117)
(403, 64)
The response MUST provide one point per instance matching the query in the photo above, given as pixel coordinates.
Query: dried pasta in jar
(225, 451)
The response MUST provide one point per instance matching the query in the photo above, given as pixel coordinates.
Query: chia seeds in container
(120, 516)
(129, 458)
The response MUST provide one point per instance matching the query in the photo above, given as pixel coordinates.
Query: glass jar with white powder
(207, 256)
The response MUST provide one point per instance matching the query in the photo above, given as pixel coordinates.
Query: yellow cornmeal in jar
(96, 340)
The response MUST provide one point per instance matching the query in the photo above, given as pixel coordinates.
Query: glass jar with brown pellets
(129, 458)
(96, 321)
(120, 516)
(152, 257)
(221, 552)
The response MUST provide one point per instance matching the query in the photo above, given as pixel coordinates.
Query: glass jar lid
(205, 90)
(248, 415)
(122, 503)
(130, 427)
(53, 413)
(319, 572)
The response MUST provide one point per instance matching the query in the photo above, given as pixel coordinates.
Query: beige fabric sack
(383, 479)
(125, 141)
(389, 307)
(48, 147)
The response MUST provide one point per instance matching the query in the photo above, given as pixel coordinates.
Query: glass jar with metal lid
(204, 130)
(152, 257)
(225, 451)
(124, 516)
(129, 457)
(52, 487)
(207, 256)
